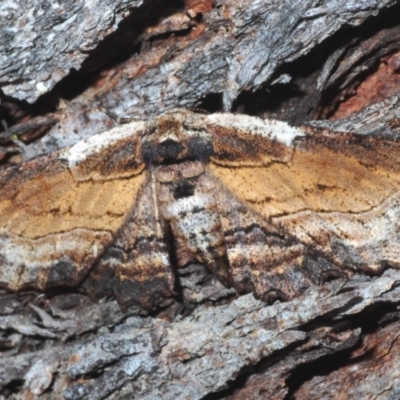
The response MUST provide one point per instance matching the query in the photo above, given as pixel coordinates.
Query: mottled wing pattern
(136, 266)
(296, 208)
(60, 214)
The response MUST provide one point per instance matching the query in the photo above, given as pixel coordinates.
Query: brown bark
(295, 61)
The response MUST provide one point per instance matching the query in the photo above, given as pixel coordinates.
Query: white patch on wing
(270, 129)
(96, 143)
(26, 261)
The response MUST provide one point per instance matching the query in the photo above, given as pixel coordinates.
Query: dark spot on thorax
(183, 188)
(169, 149)
(149, 152)
(199, 149)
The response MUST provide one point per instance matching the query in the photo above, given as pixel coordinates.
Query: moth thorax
(171, 150)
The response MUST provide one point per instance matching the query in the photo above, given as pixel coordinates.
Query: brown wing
(59, 214)
(294, 213)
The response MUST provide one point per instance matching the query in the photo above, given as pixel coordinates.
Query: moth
(266, 207)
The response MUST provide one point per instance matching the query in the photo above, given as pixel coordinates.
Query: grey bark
(168, 73)
(200, 354)
(41, 41)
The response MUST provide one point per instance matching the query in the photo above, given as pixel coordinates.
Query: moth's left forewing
(330, 199)
(252, 158)
(261, 257)
(243, 141)
(280, 170)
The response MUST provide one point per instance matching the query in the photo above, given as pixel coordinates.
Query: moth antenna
(116, 118)
(8, 134)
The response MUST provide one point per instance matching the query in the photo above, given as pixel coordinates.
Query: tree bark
(76, 69)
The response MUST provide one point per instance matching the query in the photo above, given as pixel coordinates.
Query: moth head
(176, 136)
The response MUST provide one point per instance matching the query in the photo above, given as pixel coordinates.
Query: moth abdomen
(187, 202)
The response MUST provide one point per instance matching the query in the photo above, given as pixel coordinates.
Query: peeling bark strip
(267, 208)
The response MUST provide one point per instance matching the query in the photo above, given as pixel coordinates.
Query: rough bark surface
(296, 61)
(195, 55)
(42, 41)
(206, 351)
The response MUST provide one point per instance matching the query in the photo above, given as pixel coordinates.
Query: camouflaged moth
(266, 207)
